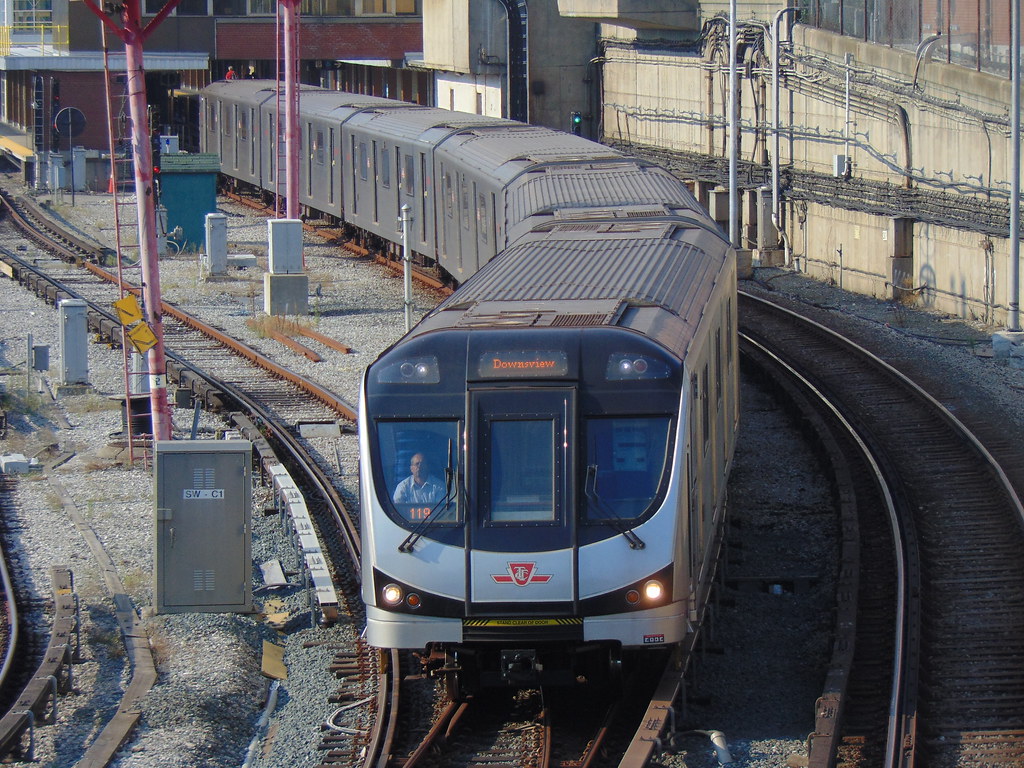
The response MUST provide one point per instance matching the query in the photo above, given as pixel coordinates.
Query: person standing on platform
(230, 74)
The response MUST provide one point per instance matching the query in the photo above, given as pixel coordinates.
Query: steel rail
(896, 730)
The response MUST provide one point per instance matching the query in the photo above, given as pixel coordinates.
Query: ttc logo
(521, 574)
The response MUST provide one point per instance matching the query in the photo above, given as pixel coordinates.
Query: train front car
(533, 504)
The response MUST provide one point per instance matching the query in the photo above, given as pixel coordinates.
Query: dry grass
(264, 325)
(91, 402)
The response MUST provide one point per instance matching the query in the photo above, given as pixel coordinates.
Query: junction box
(203, 517)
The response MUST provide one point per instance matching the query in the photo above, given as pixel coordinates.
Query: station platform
(16, 144)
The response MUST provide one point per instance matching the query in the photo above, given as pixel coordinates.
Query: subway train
(543, 457)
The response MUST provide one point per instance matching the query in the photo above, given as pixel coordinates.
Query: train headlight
(623, 366)
(653, 590)
(412, 370)
(392, 594)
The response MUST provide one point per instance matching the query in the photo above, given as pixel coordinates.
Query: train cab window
(521, 484)
(419, 464)
(625, 460)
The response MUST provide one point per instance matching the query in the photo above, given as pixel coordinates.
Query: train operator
(421, 487)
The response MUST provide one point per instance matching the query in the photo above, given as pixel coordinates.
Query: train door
(521, 532)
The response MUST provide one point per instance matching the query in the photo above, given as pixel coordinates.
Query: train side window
(226, 122)
(385, 167)
(212, 115)
(330, 193)
(364, 161)
(629, 456)
(408, 175)
(728, 333)
(449, 195)
(425, 181)
(718, 367)
(318, 147)
(522, 472)
(243, 124)
(414, 459)
(482, 219)
(464, 202)
(705, 409)
(252, 144)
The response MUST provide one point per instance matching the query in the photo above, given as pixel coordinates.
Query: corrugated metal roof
(503, 143)
(412, 123)
(638, 262)
(566, 187)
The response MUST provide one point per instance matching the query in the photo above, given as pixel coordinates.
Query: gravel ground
(756, 682)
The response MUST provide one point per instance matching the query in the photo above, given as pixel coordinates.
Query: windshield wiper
(616, 522)
(450, 492)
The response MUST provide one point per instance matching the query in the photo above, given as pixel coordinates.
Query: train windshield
(629, 454)
(419, 462)
(522, 476)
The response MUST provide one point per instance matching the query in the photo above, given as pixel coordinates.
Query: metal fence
(972, 33)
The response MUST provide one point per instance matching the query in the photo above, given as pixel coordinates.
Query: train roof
(414, 124)
(312, 99)
(507, 149)
(654, 276)
(602, 185)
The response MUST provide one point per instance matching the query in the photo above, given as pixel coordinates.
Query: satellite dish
(69, 122)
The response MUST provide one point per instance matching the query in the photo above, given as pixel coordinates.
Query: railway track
(274, 404)
(949, 595)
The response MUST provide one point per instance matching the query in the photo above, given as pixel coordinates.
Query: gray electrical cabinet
(203, 559)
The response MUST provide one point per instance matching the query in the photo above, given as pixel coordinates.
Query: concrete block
(241, 260)
(1009, 346)
(744, 263)
(285, 251)
(17, 464)
(285, 294)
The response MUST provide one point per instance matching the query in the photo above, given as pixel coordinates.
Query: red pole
(145, 195)
(134, 34)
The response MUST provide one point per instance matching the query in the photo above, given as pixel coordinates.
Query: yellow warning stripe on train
(521, 622)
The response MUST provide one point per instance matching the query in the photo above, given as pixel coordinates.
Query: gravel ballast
(757, 683)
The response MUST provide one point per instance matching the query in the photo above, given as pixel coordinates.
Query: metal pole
(848, 60)
(407, 264)
(776, 107)
(734, 228)
(71, 156)
(1013, 288)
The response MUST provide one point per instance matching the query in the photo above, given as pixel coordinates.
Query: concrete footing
(285, 294)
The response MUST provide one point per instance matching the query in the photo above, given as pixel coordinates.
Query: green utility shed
(188, 190)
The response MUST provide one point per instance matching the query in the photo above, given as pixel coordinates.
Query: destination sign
(523, 363)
